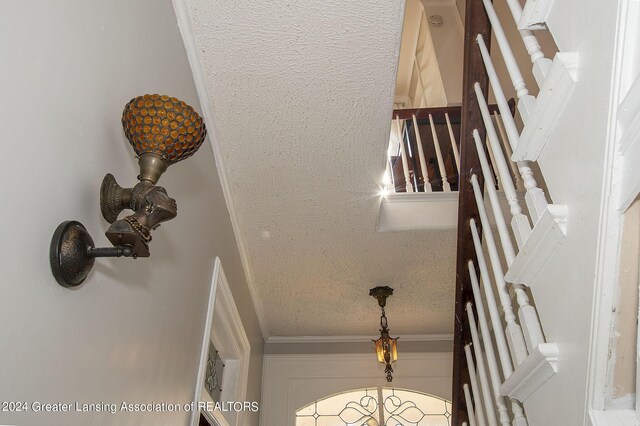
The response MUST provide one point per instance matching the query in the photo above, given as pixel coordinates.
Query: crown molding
(195, 62)
(356, 339)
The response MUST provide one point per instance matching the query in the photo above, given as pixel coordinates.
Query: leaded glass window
(408, 408)
(377, 407)
(213, 375)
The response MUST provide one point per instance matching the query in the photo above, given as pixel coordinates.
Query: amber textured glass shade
(164, 126)
(393, 343)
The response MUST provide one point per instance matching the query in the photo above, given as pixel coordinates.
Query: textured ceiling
(302, 93)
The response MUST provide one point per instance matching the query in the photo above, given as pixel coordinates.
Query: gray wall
(133, 331)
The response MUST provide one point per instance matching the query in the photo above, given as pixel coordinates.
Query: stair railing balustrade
(500, 340)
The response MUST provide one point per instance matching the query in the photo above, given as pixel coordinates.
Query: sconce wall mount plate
(72, 253)
(162, 131)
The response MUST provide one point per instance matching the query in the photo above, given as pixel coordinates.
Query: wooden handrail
(477, 22)
(453, 111)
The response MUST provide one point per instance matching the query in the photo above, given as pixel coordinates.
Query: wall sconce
(386, 346)
(162, 131)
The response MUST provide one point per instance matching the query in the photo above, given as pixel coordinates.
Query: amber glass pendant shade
(393, 343)
(164, 126)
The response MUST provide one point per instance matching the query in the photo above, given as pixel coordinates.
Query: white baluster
(501, 344)
(518, 413)
(403, 154)
(443, 172)
(490, 187)
(503, 139)
(527, 315)
(505, 112)
(484, 381)
(541, 65)
(519, 222)
(454, 145)
(475, 389)
(494, 166)
(525, 100)
(535, 198)
(503, 412)
(469, 402)
(515, 338)
(423, 162)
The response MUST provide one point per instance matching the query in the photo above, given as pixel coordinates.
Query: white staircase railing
(508, 336)
(428, 160)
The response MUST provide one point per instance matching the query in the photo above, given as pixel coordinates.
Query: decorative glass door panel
(376, 407)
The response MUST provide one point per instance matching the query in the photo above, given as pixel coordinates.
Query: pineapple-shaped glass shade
(164, 126)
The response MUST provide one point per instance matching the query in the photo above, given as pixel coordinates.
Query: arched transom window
(376, 407)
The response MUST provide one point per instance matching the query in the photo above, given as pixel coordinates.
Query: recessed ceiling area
(302, 95)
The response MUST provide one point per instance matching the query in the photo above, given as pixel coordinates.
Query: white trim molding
(613, 418)
(545, 237)
(183, 17)
(629, 146)
(553, 98)
(622, 115)
(539, 366)
(230, 339)
(356, 339)
(426, 210)
(535, 14)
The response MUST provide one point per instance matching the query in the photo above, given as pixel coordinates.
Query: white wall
(133, 331)
(448, 43)
(292, 381)
(576, 166)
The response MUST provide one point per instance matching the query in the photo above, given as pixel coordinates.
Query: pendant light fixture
(386, 346)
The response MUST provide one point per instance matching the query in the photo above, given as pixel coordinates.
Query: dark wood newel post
(476, 22)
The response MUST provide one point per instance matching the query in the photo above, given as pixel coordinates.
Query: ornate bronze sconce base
(162, 131)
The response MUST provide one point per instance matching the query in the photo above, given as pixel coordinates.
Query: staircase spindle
(405, 162)
(501, 343)
(469, 402)
(515, 173)
(541, 64)
(515, 338)
(494, 166)
(423, 162)
(501, 224)
(505, 112)
(475, 389)
(494, 374)
(443, 172)
(535, 198)
(526, 313)
(519, 222)
(484, 381)
(526, 101)
(454, 145)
